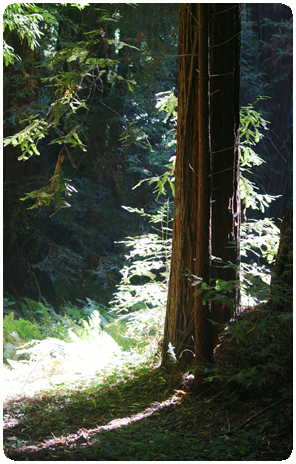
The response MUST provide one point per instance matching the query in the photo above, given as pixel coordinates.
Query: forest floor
(147, 416)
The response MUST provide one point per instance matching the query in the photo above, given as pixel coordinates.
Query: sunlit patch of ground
(70, 364)
(85, 434)
(97, 409)
(145, 419)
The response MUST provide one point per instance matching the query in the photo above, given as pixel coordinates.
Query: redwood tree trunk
(206, 185)
(224, 117)
(187, 327)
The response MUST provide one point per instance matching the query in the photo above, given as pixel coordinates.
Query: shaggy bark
(187, 327)
(206, 174)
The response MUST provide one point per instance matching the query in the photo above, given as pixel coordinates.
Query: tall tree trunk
(207, 161)
(187, 327)
(203, 330)
(224, 117)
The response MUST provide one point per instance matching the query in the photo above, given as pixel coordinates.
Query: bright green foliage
(167, 102)
(23, 19)
(16, 333)
(23, 328)
(77, 346)
(28, 137)
(40, 322)
(251, 128)
(83, 72)
(251, 125)
(141, 296)
(58, 190)
(260, 238)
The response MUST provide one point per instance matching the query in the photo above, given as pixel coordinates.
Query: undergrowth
(60, 351)
(254, 352)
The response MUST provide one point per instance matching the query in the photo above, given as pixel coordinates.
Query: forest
(147, 231)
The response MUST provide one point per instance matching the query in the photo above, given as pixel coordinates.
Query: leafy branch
(23, 19)
(28, 137)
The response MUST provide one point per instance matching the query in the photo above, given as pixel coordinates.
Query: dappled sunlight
(91, 436)
(87, 412)
(54, 363)
(88, 356)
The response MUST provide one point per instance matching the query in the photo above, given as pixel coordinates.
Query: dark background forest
(73, 254)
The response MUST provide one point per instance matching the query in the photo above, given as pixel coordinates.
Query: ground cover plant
(143, 414)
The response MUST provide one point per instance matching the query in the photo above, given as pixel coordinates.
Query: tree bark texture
(187, 327)
(224, 126)
(206, 211)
